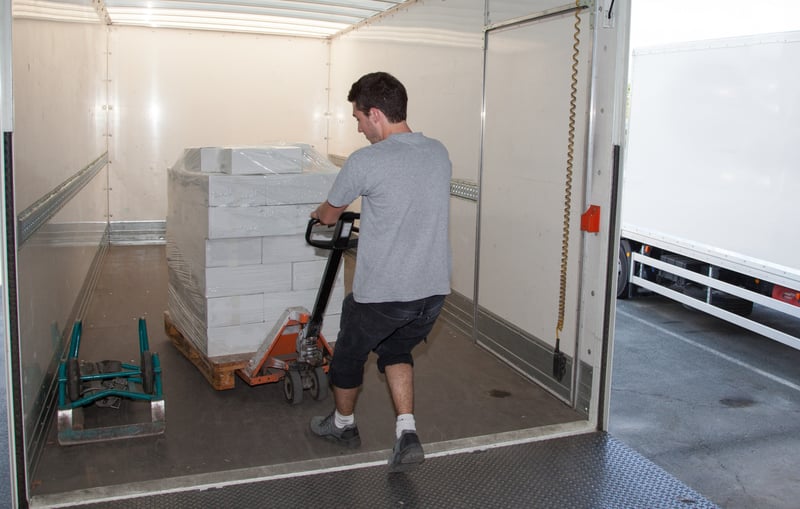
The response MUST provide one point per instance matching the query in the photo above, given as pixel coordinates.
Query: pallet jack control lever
(338, 238)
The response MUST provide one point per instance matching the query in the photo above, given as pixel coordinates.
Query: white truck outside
(711, 177)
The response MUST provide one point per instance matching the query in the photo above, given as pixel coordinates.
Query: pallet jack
(295, 350)
(105, 384)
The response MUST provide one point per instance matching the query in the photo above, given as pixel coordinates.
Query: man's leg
(339, 426)
(350, 353)
(345, 400)
(400, 378)
(407, 452)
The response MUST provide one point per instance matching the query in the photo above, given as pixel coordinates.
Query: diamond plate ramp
(593, 470)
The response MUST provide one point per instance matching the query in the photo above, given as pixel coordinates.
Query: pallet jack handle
(338, 241)
(144, 344)
(75, 339)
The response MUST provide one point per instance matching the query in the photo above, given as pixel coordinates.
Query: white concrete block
(262, 160)
(228, 281)
(185, 255)
(237, 190)
(243, 338)
(223, 190)
(235, 310)
(185, 315)
(232, 239)
(233, 252)
(330, 327)
(247, 338)
(276, 303)
(236, 339)
(289, 248)
(189, 259)
(296, 189)
(203, 159)
(308, 275)
(228, 222)
(187, 209)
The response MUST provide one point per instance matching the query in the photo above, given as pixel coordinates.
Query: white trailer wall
(436, 50)
(709, 168)
(523, 184)
(59, 130)
(59, 98)
(172, 89)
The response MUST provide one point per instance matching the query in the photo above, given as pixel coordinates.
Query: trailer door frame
(522, 196)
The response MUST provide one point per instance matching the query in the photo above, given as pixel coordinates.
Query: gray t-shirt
(403, 246)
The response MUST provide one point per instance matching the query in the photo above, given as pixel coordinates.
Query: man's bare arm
(327, 214)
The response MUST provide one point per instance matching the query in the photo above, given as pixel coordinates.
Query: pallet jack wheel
(293, 387)
(319, 384)
(148, 375)
(74, 379)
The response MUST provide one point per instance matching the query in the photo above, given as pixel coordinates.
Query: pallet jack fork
(105, 383)
(295, 350)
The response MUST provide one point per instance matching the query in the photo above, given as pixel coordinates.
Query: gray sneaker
(325, 427)
(407, 453)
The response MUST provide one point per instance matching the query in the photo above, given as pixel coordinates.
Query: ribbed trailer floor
(485, 430)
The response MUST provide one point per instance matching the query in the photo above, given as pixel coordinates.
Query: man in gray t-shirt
(403, 266)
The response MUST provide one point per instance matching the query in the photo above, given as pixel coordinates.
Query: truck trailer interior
(101, 98)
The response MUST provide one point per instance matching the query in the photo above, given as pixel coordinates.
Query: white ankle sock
(343, 420)
(405, 422)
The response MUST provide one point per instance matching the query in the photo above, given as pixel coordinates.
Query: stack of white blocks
(236, 250)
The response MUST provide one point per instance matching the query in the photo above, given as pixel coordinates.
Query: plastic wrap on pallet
(236, 252)
(218, 335)
(236, 310)
(220, 190)
(216, 205)
(267, 277)
(204, 159)
(268, 159)
(230, 222)
(251, 265)
(262, 160)
(247, 338)
(186, 211)
(233, 252)
(276, 303)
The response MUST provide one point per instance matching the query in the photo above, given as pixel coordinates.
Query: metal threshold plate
(591, 470)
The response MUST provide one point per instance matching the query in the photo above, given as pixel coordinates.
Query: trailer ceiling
(306, 18)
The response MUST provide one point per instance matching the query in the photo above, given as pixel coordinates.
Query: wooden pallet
(219, 371)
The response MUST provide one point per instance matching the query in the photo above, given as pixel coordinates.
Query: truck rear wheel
(623, 269)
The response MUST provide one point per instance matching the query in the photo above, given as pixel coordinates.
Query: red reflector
(786, 295)
(590, 220)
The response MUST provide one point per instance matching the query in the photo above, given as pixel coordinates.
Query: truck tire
(623, 269)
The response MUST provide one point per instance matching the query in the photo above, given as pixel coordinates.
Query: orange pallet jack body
(295, 350)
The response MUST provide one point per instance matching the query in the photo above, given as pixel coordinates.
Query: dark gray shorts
(390, 329)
